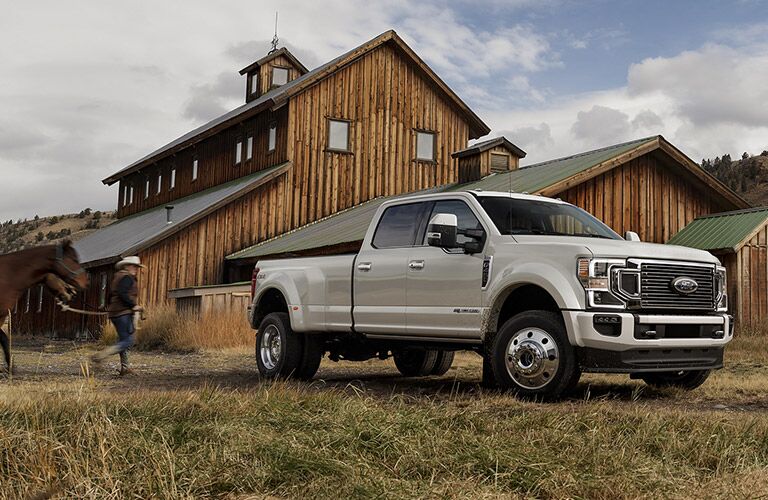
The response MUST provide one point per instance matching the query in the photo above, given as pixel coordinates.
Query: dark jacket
(122, 294)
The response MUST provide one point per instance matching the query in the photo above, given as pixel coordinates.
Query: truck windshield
(515, 216)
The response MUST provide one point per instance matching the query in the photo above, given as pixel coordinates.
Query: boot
(124, 370)
(98, 357)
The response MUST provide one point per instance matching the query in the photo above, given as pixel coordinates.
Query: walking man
(123, 295)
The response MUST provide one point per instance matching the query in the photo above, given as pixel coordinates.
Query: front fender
(563, 287)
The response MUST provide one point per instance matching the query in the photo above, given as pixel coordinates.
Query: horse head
(61, 289)
(67, 266)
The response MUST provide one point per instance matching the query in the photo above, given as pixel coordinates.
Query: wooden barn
(300, 168)
(375, 121)
(740, 240)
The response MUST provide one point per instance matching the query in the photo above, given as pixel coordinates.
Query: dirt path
(42, 364)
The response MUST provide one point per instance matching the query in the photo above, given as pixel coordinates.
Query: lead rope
(66, 308)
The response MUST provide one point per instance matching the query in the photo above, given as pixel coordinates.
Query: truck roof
(506, 194)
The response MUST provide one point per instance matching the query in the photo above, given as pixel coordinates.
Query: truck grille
(657, 292)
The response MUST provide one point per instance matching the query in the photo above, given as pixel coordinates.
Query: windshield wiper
(593, 235)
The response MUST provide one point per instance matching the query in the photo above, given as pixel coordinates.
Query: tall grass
(165, 329)
(293, 441)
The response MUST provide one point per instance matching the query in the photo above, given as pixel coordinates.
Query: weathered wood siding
(195, 255)
(265, 73)
(475, 167)
(748, 281)
(386, 100)
(644, 196)
(216, 163)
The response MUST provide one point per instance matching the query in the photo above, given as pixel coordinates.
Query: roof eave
(153, 158)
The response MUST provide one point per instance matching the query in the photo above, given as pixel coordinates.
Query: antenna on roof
(274, 38)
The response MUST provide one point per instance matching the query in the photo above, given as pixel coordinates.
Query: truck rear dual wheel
(422, 362)
(684, 379)
(283, 353)
(531, 355)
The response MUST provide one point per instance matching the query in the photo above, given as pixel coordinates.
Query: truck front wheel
(531, 355)
(278, 349)
(684, 379)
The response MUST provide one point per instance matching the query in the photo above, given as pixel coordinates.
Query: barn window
(279, 76)
(40, 299)
(159, 182)
(425, 146)
(499, 162)
(238, 152)
(130, 194)
(103, 290)
(146, 188)
(338, 135)
(194, 169)
(173, 178)
(249, 148)
(125, 195)
(26, 304)
(254, 83)
(272, 136)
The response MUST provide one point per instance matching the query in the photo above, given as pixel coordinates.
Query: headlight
(595, 277)
(721, 288)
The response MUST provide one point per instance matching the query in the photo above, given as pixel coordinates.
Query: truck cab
(540, 288)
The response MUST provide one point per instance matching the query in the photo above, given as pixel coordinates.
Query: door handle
(416, 264)
(364, 266)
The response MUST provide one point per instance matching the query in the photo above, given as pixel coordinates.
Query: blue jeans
(124, 326)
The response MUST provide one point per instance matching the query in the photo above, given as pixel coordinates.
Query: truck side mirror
(631, 236)
(442, 231)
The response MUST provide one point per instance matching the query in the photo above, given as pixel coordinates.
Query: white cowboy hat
(129, 261)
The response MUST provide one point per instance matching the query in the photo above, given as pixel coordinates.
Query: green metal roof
(350, 225)
(534, 178)
(726, 230)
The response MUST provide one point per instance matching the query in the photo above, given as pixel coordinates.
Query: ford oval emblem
(685, 285)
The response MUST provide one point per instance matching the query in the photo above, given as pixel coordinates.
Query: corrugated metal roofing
(533, 178)
(726, 230)
(130, 233)
(351, 225)
(344, 227)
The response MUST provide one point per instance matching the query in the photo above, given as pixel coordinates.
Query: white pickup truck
(540, 288)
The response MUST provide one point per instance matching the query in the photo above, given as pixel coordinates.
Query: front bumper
(624, 331)
(634, 343)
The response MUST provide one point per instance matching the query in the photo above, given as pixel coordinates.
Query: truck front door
(444, 286)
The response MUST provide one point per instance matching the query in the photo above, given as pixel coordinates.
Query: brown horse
(56, 266)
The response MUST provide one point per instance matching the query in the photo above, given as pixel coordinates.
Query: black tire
(314, 348)
(443, 362)
(283, 358)
(531, 355)
(684, 379)
(415, 362)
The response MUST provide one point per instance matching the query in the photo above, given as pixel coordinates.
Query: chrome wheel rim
(532, 358)
(270, 348)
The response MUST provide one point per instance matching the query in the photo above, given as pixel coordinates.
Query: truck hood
(620, 248)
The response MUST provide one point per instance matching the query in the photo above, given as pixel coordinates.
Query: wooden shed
(740, 240)
(201, 300)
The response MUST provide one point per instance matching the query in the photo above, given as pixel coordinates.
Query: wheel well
(271, 301)
(525, 298)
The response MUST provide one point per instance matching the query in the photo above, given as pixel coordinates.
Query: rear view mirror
(442, 230)
(631, 236)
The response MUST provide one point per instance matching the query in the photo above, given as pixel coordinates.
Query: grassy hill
(747, 176)
(48, 230)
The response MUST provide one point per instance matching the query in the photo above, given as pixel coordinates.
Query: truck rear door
(380, 271)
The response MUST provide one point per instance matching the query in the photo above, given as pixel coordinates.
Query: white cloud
(602, 125)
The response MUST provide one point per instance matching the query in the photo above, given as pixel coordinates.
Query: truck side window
(466, 218)
(398, 226)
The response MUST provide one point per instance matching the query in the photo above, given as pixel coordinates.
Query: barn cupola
(271, 71)
(487, 157)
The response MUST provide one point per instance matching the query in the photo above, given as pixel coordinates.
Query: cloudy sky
(87, 87)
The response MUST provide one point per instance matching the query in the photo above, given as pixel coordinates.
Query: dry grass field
(202, 424)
